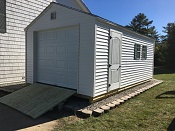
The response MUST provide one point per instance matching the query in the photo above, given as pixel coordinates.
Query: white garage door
(57, 57)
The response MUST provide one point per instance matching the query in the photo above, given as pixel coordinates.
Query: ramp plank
(36, 99)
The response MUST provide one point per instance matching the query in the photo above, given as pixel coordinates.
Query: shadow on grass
(163, 70)
(171, 126)
(165, 95)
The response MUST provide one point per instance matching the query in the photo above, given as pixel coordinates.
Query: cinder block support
(98, 112)
(111, 105)
(84, 113)
(105, 108)
(116, 103)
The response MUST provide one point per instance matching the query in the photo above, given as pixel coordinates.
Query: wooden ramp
(36, 99)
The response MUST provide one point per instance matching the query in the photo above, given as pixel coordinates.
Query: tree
(142, 25)
(169, 39)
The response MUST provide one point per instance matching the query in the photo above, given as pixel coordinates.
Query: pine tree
(169, 39)
(142, 25)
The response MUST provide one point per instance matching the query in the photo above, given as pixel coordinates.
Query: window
(144, 52)
(137, 52)
(2, 16)
(53, 16)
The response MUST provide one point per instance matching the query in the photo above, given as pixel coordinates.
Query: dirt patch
(52, 125)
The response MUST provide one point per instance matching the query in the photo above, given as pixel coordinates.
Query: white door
(57, 57)
(114, 60)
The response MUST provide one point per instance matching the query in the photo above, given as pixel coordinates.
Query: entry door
(115, 60)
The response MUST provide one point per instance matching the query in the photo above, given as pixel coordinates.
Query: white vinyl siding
(101, 74)
(2, 16)
(19, 13)
(134, 71)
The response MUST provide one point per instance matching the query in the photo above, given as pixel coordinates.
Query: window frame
(3, 14)
(137, 50)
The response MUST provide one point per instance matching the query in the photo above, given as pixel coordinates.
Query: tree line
(164, 52)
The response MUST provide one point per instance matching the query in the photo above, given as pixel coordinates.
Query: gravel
(118, 96)
(80, 103)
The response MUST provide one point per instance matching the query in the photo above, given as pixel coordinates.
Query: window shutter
(135, 52)
(2, 16)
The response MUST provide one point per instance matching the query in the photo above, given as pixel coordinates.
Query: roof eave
(48, 7)
(83, 6)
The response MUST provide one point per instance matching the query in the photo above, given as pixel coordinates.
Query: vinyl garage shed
(71, 48)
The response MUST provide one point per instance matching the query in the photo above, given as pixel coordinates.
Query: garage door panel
(71, 57)
(61, 57)
(42, 42)
(71, 42)
(61, 35)
(41, 77)
(61, 64)
(50, 79)
(72, 65)
(72, 82)
(50, 63)
(57, 58)
(61, 49)
(61, 72)
(42, 36)
(51, 35)
(61, 80)
(41, 62)
(72, 49)
(72, 73)
(41, 51)
(72, 33)
(51, 50)
(49, 70)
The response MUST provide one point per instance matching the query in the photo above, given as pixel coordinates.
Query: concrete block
(111, 105)
(132, 95)
(116, 103)
(124, 98)
(84, 113)
(97, 112)
(105, 108)
(120, 100)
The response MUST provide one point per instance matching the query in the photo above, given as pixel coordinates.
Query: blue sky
(123, 11)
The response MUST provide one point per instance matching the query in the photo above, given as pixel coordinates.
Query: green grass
(145, 112)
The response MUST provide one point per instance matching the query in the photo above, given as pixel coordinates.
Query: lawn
(153, 110)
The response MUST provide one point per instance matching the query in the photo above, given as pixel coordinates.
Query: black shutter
(2, 16)
(135, 52)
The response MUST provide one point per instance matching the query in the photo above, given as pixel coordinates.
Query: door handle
(109, 65)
